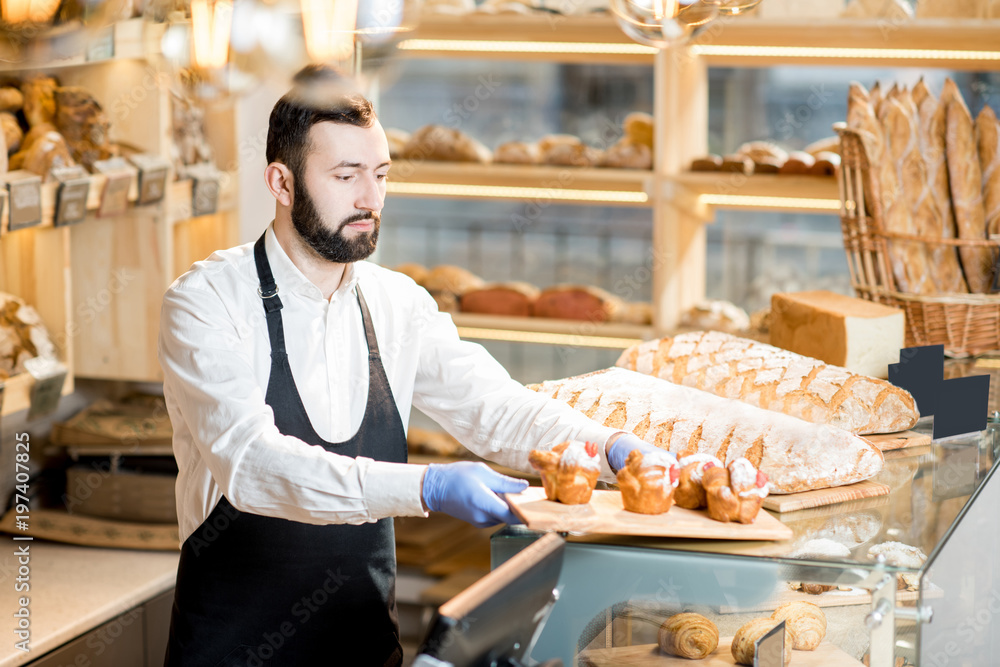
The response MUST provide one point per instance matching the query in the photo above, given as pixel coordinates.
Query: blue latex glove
(469, 491)
(623, 446)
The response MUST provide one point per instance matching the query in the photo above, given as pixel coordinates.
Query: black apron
(255, 590)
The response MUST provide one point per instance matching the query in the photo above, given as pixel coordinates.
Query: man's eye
(381, 177)
(345, 178)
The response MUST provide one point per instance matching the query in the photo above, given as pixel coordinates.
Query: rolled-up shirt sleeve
(462, 387)
(222, 420)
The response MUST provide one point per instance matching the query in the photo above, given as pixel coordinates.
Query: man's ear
(280, 182)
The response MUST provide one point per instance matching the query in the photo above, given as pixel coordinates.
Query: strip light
(567, 340)
(503, 46)
(718, 50)
(753, 201)
(845, 53)
(510, 192)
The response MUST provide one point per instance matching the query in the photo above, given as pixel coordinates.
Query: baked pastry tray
(604, 514)
(649, 655)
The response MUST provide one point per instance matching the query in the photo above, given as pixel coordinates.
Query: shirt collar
(289, 278)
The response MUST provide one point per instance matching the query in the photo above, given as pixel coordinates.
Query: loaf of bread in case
(448, 283)
(798, 162)
(512, 298)
(628, 154)
(638, 127)
(825, 163)
(824, 145)
(568, 151)
(988, 144)
(577, 302)
(768, 377)
(762, 152)
(934, 212)
(710, 162)
(436, 142)
(397, 141)
(794, 454)
(418, 272)
(966, 183)
(517, 152)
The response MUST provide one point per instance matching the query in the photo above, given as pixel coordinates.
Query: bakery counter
(901, 575)
(75, 590)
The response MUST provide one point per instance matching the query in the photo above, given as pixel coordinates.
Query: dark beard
(332, 246)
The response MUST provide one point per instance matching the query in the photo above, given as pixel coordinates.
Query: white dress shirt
(215, 354)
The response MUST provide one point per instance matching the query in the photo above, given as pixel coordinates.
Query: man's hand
(623, 445)
(469, 491)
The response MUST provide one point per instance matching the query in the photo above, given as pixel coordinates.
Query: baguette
(861, 118)
(966, 183)
(988, 143)
(933, 208)
(774, 379)
(901, 174)
(794, 454)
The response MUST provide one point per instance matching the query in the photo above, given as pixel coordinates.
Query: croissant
(745, 641)
(569, 471)
(688, 635)
(690, 492)
(806, 621)
(647, 482)
(735, 493)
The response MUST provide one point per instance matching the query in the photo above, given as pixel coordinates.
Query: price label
(71, 197)
(152, 177)
(769, 651)
(205, 189)
(50, 376)
(114, 196)
(24, 191)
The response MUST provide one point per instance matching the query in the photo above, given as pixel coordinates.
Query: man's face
(338, 199)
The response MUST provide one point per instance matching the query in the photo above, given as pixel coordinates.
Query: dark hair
(319, 94)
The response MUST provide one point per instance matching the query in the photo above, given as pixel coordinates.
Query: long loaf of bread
(932, 210)
(774, 379)
(965, 179)
(988, 141)
(794, 454)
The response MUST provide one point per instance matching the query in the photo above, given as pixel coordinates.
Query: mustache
(360, 217)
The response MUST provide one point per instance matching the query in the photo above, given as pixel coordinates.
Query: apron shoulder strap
(268, 293)
(366, 317)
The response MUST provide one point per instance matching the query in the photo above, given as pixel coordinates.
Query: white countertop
(75, 589)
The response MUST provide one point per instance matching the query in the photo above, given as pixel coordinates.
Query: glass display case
(895, 609)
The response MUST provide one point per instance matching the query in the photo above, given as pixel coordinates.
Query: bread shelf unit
(540, 330)
(683, 201)
(549, 37)
(98, 284)
(603, 186)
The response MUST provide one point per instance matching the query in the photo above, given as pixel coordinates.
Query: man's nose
(371, 198)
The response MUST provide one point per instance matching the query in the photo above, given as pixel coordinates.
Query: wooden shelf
(540, 330)
(459, 180)
(763, 192)
(962, 44)
(534, 37)
(965, 44)
(127, 40)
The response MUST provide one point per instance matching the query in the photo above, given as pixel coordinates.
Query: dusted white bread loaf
(794, 454)
(775, 379)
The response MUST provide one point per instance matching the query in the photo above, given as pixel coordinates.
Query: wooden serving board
(649, 655)
(605, 514)
(819, 497)
(890, 441)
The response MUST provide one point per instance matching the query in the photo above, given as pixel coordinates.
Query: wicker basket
(963, 323)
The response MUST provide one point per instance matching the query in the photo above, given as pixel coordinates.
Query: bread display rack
(682, 201)
(98, 284)
(963, 323)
